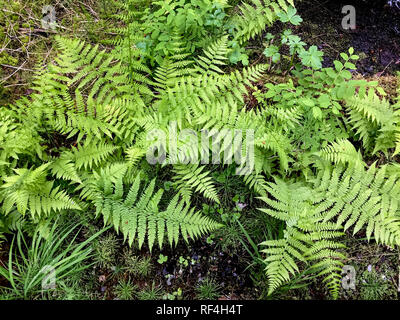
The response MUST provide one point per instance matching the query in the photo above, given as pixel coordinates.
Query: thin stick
(17, 69)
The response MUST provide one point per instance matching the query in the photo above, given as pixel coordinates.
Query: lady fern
(307, 238)
(360, 198)
(256, 15)
(376, 122)
(338, 198)
(193, 177)
(137, 216)
(29, 190)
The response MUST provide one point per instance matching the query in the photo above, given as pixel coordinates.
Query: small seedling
(162, 259)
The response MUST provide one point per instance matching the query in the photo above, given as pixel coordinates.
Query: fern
(361, 198)
(88, 156)
(307, 238)
(375, 121)
(16, 140)
(174, 66)
(193, 177)
(279, 144)
(257, 182)
(338, 198)
(64, 168)
(89, 124)
(213, 57)
(342, 152)
(29, 190)
(137, 216)
(256, 16)
(98, 69)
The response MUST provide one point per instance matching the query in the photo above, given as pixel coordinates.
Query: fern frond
(375, 121)
(307, 239)
(29, 190)
(193, 177)
(360, 198)
(256, 15)
(342, 152)
(137, 214)
(89, 155)
(213, 57)
(65, 169)
(277, 143)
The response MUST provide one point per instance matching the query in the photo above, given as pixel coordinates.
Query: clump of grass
(71, 290)
(208, 289)
(7, 295)
(150, 293)
(45, 261)
(105, 251)
(137, 266)
(125, 290)
(374, 286)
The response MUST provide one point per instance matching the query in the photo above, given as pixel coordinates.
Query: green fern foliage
(214, 57)
(376, 122)
(193, 177)
(307, 239)
(342, 152)
(361, 199)
(338, 198)
(137, 214)
(29, 190)
(256, 15)
(83, 139)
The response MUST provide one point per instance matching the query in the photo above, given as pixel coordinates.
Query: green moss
(5, 58)
(16, 6)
